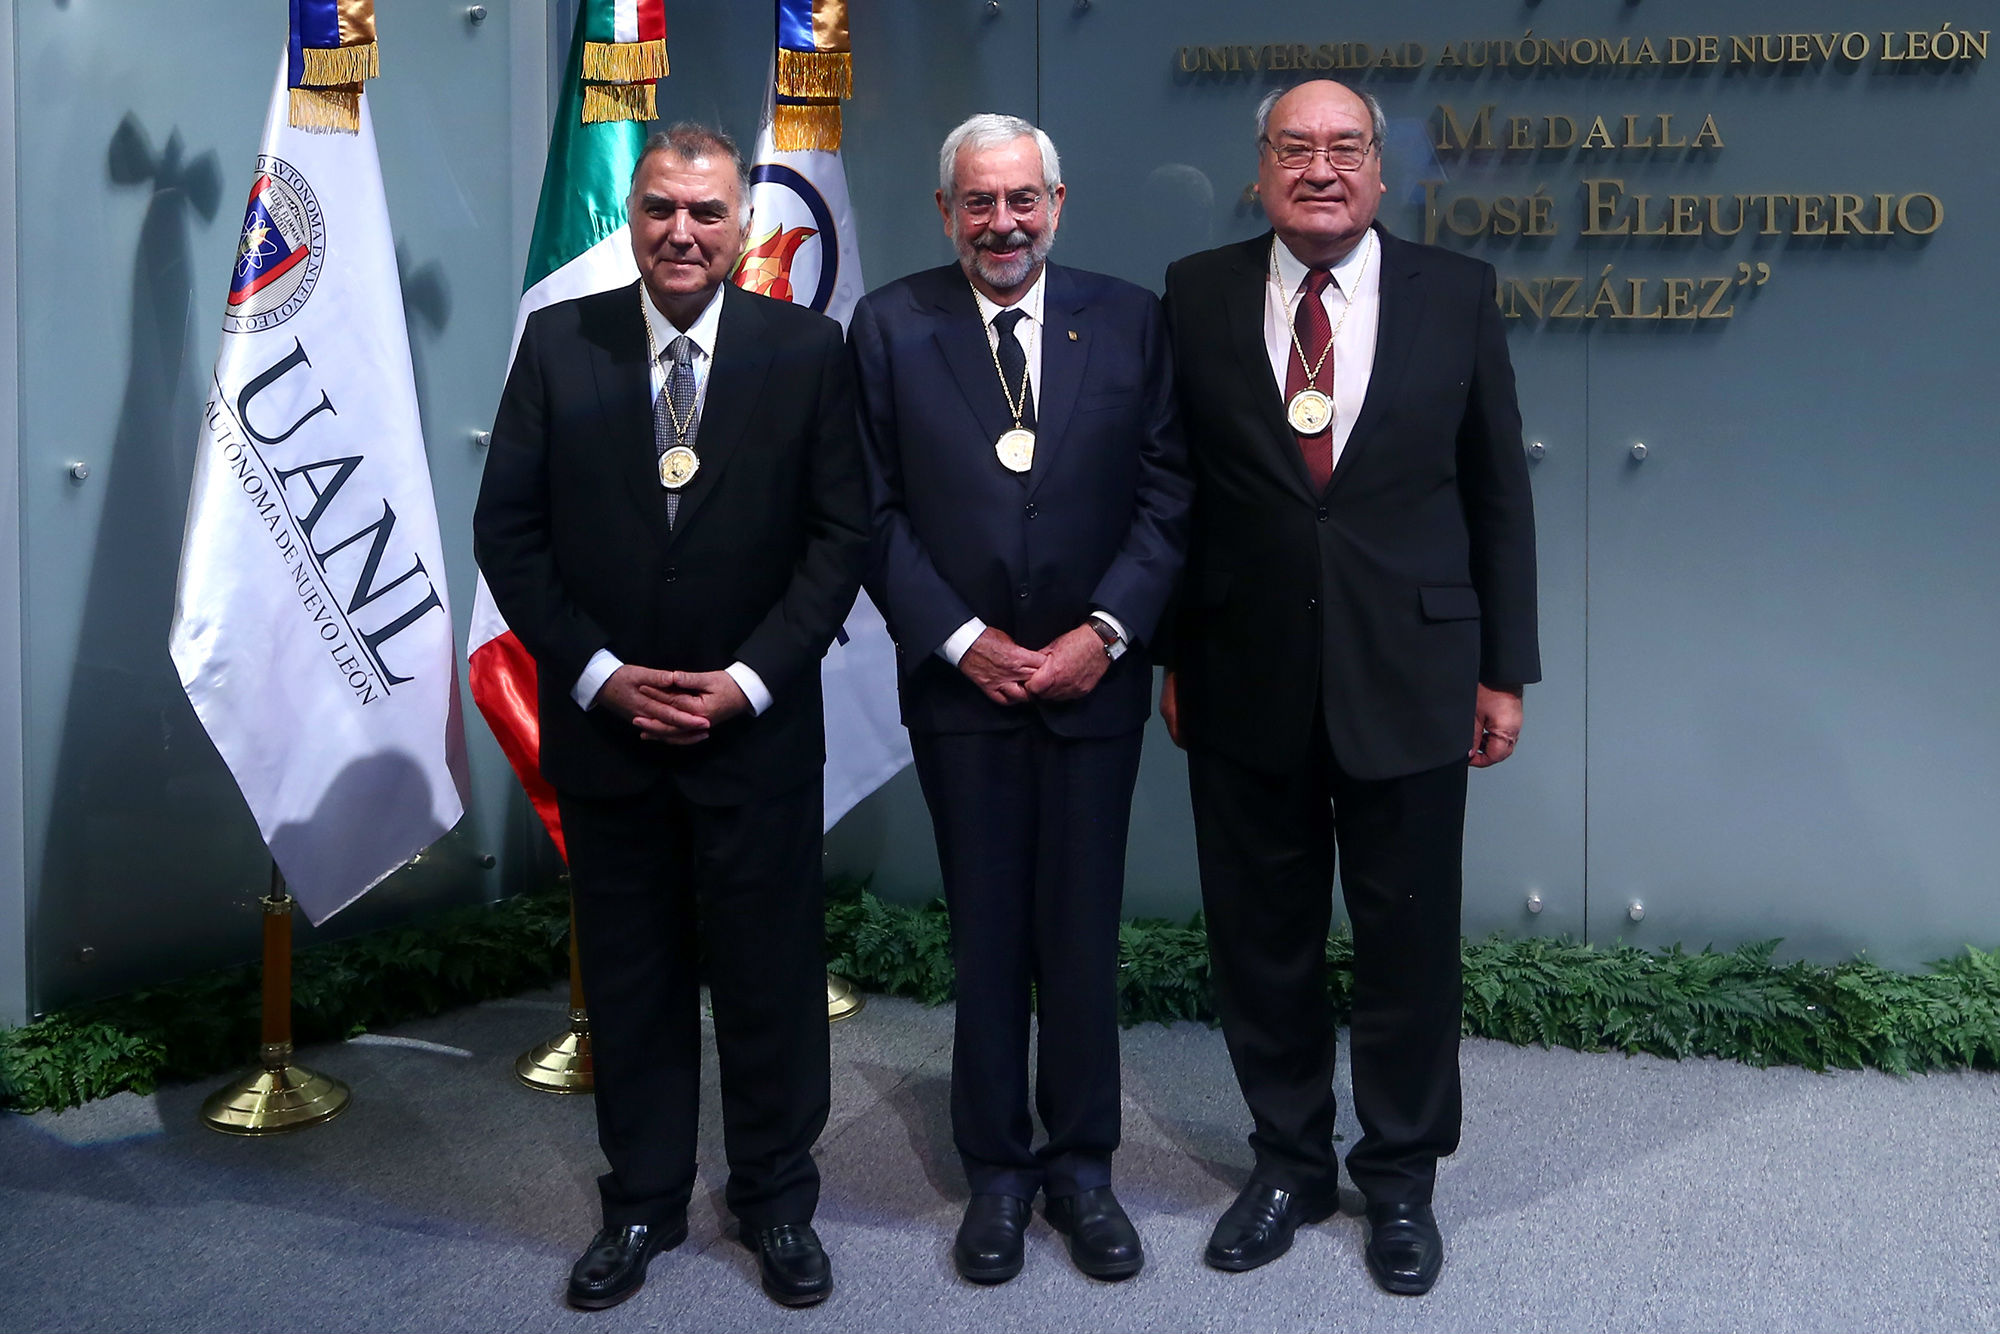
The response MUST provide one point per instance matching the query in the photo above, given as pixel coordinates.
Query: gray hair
(992, 131)
(688, 140)
(1378, 123)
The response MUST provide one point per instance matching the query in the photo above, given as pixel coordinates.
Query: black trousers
(669, 894)
(1266, 846)
(1031, 840)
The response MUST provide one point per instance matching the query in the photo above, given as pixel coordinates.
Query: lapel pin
(1072, 335)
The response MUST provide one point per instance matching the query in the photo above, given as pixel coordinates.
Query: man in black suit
(674, 522)
(1030, 498)
(1359, 600)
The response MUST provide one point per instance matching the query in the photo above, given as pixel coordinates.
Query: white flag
(312, 629)
(802, 248)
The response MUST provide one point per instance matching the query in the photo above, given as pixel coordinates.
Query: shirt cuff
(752, 686)
(1116, 625)
(961, 639)
(595, 673)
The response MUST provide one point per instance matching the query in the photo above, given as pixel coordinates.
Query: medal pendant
(678, 467)
(1310, 412)
(1016, 449)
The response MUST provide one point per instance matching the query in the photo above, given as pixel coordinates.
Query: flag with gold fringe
(312, 624)
(624, 51)
(333, 51)
(815, 73)
(581, 244)
(803, 247)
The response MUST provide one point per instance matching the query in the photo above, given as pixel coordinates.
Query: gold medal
(1310, 412)
(1016, 449)
(678, 467)
(679, 464)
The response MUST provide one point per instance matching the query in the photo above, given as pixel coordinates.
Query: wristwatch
(1114, 643)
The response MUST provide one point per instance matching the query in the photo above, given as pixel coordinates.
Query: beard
(1005, 273)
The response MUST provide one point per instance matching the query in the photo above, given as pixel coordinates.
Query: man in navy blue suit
(1030, 503)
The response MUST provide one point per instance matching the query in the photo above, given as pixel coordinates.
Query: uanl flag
(581, 245)
(312, 629)
(802, 247)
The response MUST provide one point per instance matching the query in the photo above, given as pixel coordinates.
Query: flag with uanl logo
(581, 245)
(802, 247)
(312, 628)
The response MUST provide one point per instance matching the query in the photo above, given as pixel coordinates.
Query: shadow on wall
(388, 794)
(426, 307)
(138, 816)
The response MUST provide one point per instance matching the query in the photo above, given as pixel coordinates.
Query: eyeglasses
(1341, 157)
(1020, 203)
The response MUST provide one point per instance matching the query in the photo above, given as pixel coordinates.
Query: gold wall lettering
(1947, 45)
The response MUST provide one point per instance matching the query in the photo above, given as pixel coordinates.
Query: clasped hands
(673, 708)
(1006, 673)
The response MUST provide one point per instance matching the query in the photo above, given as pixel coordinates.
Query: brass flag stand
(278, 1096)
(843, 998)
(562, 1064)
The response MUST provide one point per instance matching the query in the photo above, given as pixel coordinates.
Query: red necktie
(1314, 332)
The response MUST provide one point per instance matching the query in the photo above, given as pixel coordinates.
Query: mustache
(1014, 240)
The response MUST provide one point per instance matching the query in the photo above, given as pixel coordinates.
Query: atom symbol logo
(255, 248)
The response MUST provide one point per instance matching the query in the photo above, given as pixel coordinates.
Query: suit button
(1312, 604)
(1322, 514)
(1022, 592)
(669, 574)
(1031, 511)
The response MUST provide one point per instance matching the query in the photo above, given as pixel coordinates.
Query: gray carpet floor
(1592, 1192)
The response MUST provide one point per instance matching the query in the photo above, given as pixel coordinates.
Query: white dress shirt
(1028, 333)
(1356, 291)
(702, 334)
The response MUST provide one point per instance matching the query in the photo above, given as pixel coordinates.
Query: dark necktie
(1314, 331)
(675, 402)
(1014, 363)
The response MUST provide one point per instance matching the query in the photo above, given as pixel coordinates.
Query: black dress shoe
(1404, 1250)
(1102, 1241)
(614, 1266)
(792, 1263)
(988, 1246)
(1258, 1227)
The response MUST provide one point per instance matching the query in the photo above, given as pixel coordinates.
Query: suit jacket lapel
(1400, 313)
(961, 337)
(1243, 314)
(735, 385)
(625, 396)
(1063, 362)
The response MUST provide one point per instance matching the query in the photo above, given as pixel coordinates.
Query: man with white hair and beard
(1030, 498)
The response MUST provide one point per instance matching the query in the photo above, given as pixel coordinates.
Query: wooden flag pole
(562, 1064)
(279, 1096)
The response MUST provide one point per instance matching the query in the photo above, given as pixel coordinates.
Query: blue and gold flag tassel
(332, 52)
(815, 72)
(622, 55)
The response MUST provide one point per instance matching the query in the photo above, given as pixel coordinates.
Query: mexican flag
(581, 245)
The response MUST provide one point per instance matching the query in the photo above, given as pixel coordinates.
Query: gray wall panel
(14, 989)
(1763, 711)
(139, 848)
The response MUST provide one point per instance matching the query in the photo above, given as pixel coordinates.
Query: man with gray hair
(674, 522)
(1356, 623)
(1030, 502)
